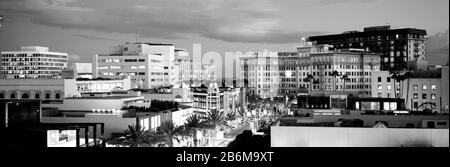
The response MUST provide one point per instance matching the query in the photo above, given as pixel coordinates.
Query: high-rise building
(149, 65)
(396, 46)
(32, 62)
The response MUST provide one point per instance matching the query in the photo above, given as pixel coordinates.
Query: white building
(44, 89)
(32, 62)
(186, 69)
(384, 86)
(102, 85)
(82, 70)
(149, 65)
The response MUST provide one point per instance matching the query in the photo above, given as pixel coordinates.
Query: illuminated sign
(61, 138)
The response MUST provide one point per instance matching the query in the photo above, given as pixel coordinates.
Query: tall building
(396, 46)
(32, 62)
(383, 86)
(149, 65)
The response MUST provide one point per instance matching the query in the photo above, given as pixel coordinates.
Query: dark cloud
(437, 48)
(253, 21)
(94, 37)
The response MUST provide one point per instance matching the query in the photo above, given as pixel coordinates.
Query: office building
(82, 70)
(32, 62)
(149, 65)
(47, 90)
(396, 46)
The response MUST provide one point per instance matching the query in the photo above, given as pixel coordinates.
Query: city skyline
(85, 28)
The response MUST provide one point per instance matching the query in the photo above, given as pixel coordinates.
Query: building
(383, 85)
(396, 46)
(356, 64)
(260, 74)
(423, 90)
(223, 99)
(180, 92)
(82, 70)
(21, 120)
(55, 90)
(84, 85)
(47, 90)
(189, 71)
(444, 89)
(150, 65)
(32, 62)
(309, 70)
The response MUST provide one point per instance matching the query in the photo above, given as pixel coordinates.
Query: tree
(309, 79)
(170, 131)
(335, 74)
(135, 136)
(345, 78)
(396, 76)
(231, 116)
(193, 122)
(216, 119)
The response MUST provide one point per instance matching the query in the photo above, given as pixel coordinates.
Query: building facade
(383, 85)
(213, 97)
(149, 65)
(82, 70)
(47, 90)
(423, 90)
(396, 46)
(32, 62)
(309, 70)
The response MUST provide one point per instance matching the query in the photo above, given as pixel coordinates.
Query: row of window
(33, 55)
(424, 96)
(26, 96)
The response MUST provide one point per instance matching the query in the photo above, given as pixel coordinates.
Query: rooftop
(105, 98)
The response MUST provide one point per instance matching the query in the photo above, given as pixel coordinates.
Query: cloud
(94, 37)
(74, 58)
(254, 21)
(437, 48)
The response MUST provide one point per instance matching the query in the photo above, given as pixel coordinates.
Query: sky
(83, 28)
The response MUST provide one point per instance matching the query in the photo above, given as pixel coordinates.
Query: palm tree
(335, 74)
(406, 76)
(216, 119)
(135, 136)
(309, 79)
(396, 76)
(193, 122)
(345, 78)
(231, 116)
(170, 130)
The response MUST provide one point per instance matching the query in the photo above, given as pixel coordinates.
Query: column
(86, 136)
(77, 138)
(95, 135)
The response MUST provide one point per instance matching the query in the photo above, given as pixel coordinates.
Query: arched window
(13, 96)
(57, 96)
(2, 96)
(37, 96)
(47, 96)
(25, 96)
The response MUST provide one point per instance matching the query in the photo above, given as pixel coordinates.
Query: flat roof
(106, 97)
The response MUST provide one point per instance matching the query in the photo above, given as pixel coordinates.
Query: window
(2, 96)
(47, 96)
(433, 96)
(424, 96)
(37, 96)
(380, 95)
(416, 104)
(57, 96)
(433, 87)
(380, 87)
(416, 96)
(12, 96)
(25, 96)
(125, 49)
(389, 87)
(388, 79)
(441, 123)
(379, 79)
(424, 87)
(415, 87)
